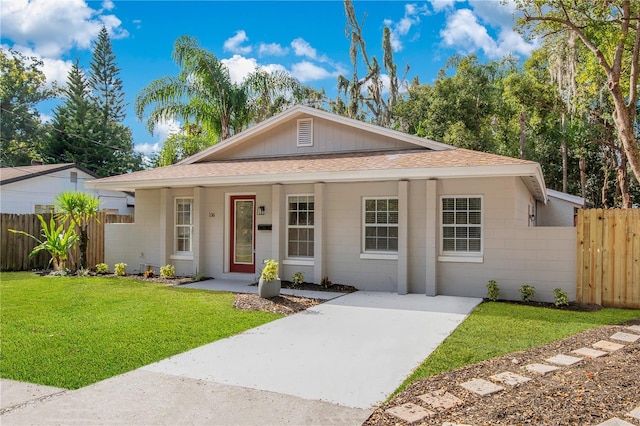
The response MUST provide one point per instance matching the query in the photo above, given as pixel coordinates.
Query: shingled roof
(343, 167)
(16, 174)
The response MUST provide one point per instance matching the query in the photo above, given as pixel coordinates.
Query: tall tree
(271, 93)
(73, 132)
(202, 93)
(22, 87)
(610, 30)
(108, 97)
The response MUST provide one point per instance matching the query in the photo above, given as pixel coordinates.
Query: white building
(33, 189)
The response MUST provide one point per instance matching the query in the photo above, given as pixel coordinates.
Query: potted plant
(269, 284)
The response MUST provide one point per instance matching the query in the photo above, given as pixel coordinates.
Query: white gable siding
(328, 137)
(22, 196)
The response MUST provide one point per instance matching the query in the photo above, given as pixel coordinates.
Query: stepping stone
(635, 328)
(441, 400)
(481, 387)
(608, 346)
(635, 413)
(625, 337)
(590, 353)
(409, 412)
(540, 368)
(509, 378)
(564, 360)
(615, 422)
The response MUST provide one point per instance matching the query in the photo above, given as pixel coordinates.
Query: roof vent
(305, 132)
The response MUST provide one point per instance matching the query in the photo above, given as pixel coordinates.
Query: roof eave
(531, 171)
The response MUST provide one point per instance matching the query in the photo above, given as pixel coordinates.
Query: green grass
(73, 331)
(495, 329)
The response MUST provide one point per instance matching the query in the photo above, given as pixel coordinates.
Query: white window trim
(303, 121)
(181, 254)
(298, 260)
(376, 254)
(462, 256)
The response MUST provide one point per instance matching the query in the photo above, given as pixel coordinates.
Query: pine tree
(108, 97)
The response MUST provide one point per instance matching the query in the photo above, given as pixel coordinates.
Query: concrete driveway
(331, 364)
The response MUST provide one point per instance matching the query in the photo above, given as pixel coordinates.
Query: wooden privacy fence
(608, 257)
(15, 248)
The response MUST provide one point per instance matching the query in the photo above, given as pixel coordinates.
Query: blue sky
(305, 38)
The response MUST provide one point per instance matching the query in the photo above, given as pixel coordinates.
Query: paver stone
(606, 345)
(625, 337)
(590, 353)
(540, 368)
(441, 400)
(635, 328)
(481, 387)
(635, 413)
(564, 360)
(509, 378)
(410, 412)
(615, 422)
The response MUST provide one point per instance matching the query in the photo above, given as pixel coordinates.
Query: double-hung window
(300, 226)
(461, 225)
(184, 225)
(380, 225)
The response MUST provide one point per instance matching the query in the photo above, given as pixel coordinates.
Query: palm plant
(55, 240)
(202, 93)
(79, 208)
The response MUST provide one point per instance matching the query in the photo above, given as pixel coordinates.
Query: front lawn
(496, 328)
(73, 331)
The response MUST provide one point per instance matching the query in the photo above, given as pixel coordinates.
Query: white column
(318, 233)
(166, 225)
(276, 218)
(403, 236)
(431, 238)
(199, 222)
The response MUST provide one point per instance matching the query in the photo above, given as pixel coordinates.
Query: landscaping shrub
(167, 271)
(297, 279)
(493, 291)
(102, 268)
(120, 269)
(527, 292)
(560, 297)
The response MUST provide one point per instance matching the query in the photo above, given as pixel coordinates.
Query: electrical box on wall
(264, 227)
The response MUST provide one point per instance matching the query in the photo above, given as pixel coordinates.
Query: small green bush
(325, 282)
(527, 292)
(560, 297)
(297, 278)
(270, 270)
(167, 271)
(102, 268)
(493, 291)
(120, 269)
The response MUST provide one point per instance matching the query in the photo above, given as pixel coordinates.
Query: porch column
(199, 222)
(166, 227)
(318, 233)
(431, 238)
(403, 236)
(276, 218)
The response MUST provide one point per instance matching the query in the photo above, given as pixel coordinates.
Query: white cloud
(161, 132)
(55, 70)
(302, 48)
(234, 44)
(52, 28)
(272, 49)
(464, 32)
(412, 14)
(440, 5)
(495, 13)
(148, 148)
(306, 71)
(240, 67)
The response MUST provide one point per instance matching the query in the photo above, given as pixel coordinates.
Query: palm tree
(202, 93)
(79, 208)
(271, 93)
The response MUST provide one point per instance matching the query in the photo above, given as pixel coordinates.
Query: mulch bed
(333, 288)
(283, 304)
(587, 393)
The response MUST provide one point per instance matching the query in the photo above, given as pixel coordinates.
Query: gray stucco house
(364, 205)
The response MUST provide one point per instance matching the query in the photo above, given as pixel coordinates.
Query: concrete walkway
(331, 364)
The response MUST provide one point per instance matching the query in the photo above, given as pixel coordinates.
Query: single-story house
(33, 189)
(360, 204)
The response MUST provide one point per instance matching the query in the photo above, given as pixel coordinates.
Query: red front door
(243, 241)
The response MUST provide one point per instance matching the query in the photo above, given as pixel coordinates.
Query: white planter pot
(268, 289)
